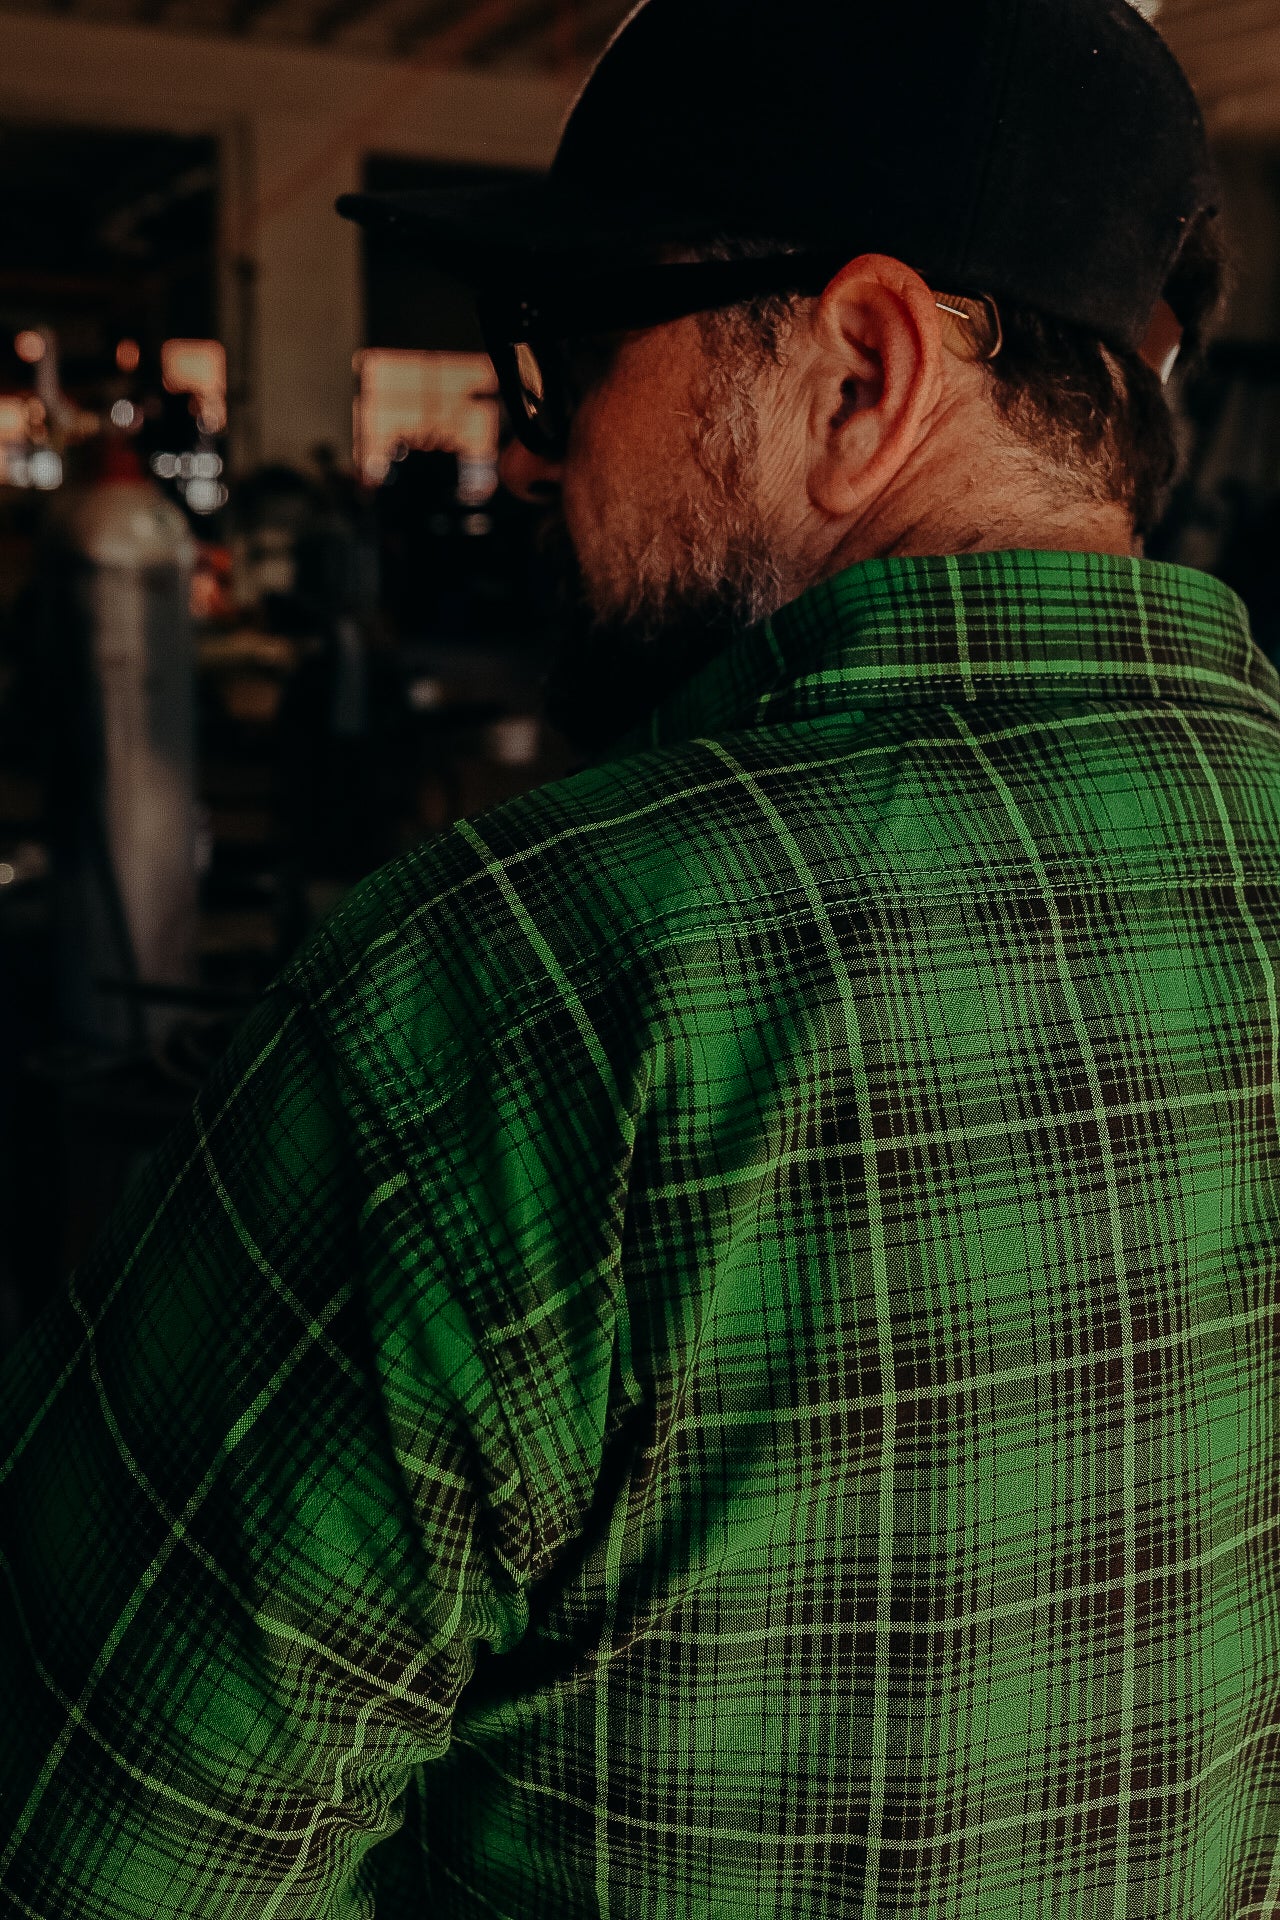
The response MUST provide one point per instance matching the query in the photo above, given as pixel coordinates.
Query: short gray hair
(1097, 417)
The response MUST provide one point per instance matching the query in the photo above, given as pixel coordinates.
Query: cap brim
(477, 232)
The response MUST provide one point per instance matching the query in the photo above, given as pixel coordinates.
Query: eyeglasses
(530, 336)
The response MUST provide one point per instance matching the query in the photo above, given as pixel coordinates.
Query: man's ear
(879, 337)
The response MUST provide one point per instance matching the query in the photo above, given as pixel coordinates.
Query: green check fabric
(712, 1348)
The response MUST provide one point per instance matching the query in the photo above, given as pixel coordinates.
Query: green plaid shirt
(712, 1347)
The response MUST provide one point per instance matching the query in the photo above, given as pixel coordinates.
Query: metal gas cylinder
(135, 555)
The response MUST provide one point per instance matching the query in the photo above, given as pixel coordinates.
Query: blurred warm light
(128, 354)
(21, 464)
(198, 367)
(29, 346)
(426, 399)
(15, 433)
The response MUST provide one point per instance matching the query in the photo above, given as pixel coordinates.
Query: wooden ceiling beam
(427, 44)
(564, 38)
(529, 25)
(243, 15)
(596, 25)
(331, 19)
(551, 39)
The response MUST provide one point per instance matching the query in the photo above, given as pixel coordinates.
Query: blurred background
(265, 618)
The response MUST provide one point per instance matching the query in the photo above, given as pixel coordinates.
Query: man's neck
(1102, 531)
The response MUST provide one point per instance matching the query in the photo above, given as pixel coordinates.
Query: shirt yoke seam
(470, 1051)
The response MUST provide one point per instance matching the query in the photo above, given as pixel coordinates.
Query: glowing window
(446, 400)
(198, 367)
(17, 419)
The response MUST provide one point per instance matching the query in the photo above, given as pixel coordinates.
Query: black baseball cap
(1048, 151)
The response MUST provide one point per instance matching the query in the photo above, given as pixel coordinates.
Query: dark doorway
(106, 234)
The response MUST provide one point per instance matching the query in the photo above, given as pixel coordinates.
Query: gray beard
(610, 672)
(612, 669)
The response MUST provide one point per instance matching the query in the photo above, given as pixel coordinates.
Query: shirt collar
(976, 626)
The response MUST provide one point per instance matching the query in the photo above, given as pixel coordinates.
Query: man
(711, 1349)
